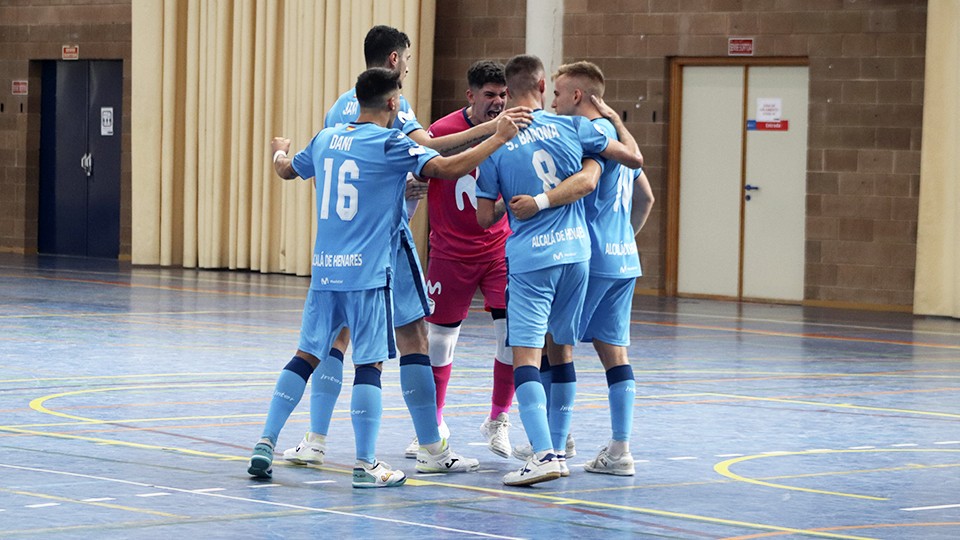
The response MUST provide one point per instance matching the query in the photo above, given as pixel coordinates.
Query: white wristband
(542, 201)
(277, 154)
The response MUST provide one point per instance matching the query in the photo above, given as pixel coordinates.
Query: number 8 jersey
(549, 150)
(361, 172)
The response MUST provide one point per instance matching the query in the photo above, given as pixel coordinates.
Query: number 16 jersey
(361, 172)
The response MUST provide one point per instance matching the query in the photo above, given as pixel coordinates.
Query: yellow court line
(723, 468)
(501, 492)
(91, 503)
(636, 509)
(835, 405)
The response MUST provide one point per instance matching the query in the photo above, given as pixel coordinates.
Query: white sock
(618, 448)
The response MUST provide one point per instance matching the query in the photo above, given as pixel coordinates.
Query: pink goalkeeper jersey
(452, 206)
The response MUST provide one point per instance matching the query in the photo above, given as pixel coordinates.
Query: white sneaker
(534, 471)
(497, 433)
(604, 463)
(411, 451)
(377, 475)
(447, 461)
(311, 450)
(564, 470)
(525, 451)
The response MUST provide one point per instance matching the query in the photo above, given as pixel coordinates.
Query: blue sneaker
(261, 462)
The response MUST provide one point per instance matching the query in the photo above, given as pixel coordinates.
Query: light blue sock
(533, 407)
(420, 395)
(563, 390)
(366, 409)
(286, 394)
(324, 391)
(622, 392)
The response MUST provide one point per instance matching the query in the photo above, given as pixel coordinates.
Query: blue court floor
(130, 398)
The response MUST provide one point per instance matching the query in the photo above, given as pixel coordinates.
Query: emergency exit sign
(740, 46)
(20, 87)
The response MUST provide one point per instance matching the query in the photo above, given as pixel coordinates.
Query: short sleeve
(303, 161)
(488, 180)
(406, 119)
(400, 149)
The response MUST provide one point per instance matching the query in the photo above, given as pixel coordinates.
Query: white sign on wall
(769, 109)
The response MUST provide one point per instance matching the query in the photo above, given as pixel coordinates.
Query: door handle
(748, 187)
(86, 163)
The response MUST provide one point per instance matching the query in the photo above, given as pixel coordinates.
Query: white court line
(321, 482)
(775, 453)
(940, 507)
(861, 447)
(903, 445)
(642, 461)
(681, 458)
(266, 503)
(947, 442)
(728, 455)
(99, 499)
(41, 505)
(207, 490)
(261, 486)
(158, 494)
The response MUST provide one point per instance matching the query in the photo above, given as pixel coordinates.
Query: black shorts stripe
(415, 274)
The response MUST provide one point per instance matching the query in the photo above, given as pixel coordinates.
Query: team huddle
(558, 196)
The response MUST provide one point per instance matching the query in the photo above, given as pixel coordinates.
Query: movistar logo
(466, 185)
(434, 287)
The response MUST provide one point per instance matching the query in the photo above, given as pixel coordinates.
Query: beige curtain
(213, 81)
(937, 285)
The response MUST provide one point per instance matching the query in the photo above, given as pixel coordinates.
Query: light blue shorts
(606, 310)
(368, 314)
(410, 301)
(547, 300)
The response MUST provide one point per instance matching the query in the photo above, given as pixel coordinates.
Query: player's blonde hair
(588, 77)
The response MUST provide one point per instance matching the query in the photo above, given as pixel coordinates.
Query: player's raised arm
(282, 164)
(625, 151)
(453, 167)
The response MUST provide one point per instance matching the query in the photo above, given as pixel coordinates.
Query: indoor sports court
(131, 398)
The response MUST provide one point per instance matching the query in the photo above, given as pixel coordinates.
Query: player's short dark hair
(382, 40)
(375, 85)
(482, 72)
(523, 73)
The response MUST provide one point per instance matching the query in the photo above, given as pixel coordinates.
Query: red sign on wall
(740, 46)
(70, 52)
(20, 87)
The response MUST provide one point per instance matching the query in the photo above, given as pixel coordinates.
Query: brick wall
(32, 31)
(866, 93)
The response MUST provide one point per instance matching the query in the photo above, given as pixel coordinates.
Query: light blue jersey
(360, 172)
(533, 162)
(608, 213)
(347, 109)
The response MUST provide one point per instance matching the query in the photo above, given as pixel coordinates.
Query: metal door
(79, 211)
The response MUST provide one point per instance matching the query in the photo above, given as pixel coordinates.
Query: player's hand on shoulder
(603, 108)
(506, 129)
(523, 207)
(521, 116)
